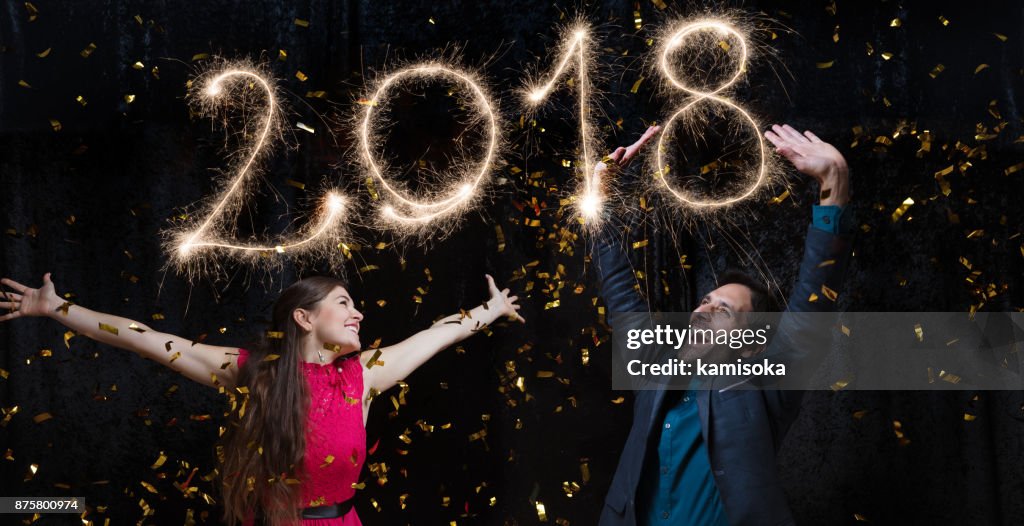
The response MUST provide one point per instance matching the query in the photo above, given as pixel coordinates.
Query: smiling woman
(295, 408)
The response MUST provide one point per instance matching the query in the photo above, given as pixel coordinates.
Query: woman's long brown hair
(264, 442)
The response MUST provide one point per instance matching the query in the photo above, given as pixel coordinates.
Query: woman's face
(336, 321)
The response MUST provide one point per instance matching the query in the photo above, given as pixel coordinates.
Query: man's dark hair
(761, 298)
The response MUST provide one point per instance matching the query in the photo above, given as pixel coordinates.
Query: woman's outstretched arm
(207, 364)
(398, 361)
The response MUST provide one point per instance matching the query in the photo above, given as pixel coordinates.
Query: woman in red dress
(295, 440)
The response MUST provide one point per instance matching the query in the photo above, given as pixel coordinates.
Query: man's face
(724, 308)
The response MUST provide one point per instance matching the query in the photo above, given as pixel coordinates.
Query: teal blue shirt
(676, 484)
(831, 218)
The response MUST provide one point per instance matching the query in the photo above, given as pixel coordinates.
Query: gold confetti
(42, 417)
(1015, 168)
(896, 22)
(56, 125)
(943, 20)
(133, 326)
(175, 356)
(200, 56)
(275, 335)
(129, 98)
(939, 68)
(301, 76)
(1000, 36)
(636, 85)
(374, 360)
(824, 65)
(159, 461)
(88, 50)
(24, 84)
(969, 417)
(109, 328)
(33, 13)
(640, 244)
(271, 357)
(886, 55)
(301, 23)
(67, 337)
(812, 298)
(305, 127)
(316, 94)
(829, 293)
(81, 100)
(902, 209)
(542, 515)
(45, 53)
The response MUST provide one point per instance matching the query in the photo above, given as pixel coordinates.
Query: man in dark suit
(707, 457)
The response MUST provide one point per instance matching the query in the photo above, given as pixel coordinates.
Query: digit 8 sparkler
(676, 40)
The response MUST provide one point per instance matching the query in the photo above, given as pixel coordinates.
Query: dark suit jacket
(741, 428)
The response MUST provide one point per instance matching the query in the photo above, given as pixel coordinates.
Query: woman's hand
(500, 300)
(816, 158)
(26, 301)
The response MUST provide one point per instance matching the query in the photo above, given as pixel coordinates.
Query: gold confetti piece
(619, 400)
(839, 385)
(886, 55)
(974, 234)
(501, 237)
(301, 23)
(81, 100)
(636, 85)
(542, 515)
(829, 293)
(138, 65)
(896, 22)
(175, 356)
(159, 461)
(1000, 36)
(148, 486)
(296, 184)
(826, 263)
(812, 298)
(301, 76)
(33, 13)
(859, 517)
(24, 84)
(199, 56)
(660, 4)
(45, 53)
(157, 316)
(374, 360)
(316, 94)
(779, 198)
(305, 127)
(640, 244)
(902, 209)
(42, 417)
(824, 65)
(328, 460)
(4, 374)
(133, 326)
(431, 21)
(56, 125)
(167, 346)
(275, 335)
(552, 304)
(271, 357)
(109, 328)
(88, 50)
(943, 20)
(1015, 168)
(969, 417)
(939, 68)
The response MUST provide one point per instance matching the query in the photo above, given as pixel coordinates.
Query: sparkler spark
(188, 247)
(678, 38)
(415, 215)
(575, 53)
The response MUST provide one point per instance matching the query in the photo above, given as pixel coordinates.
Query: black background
(87, 202)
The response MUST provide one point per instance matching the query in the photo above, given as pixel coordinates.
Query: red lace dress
(335, 436)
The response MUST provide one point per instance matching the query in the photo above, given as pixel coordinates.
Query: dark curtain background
(487, 431)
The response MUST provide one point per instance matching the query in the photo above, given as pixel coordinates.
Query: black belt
(330, 511)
